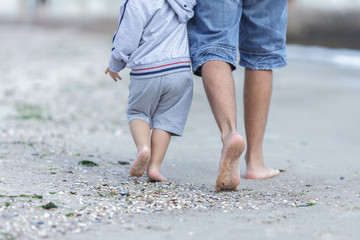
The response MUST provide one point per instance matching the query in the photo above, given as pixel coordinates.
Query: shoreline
(334, 29)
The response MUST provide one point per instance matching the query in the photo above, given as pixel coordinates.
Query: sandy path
(57, 109)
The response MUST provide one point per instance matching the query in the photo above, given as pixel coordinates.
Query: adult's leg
(257, 96)
(140, 131)
(159, 144)
(213, 38)
(219, 86)
(262, 45)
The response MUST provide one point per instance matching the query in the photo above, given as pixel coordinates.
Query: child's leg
(140, 131)
(159, 143)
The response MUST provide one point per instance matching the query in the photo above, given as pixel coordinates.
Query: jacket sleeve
(127, 38)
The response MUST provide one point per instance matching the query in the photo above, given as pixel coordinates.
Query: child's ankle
(155, 175)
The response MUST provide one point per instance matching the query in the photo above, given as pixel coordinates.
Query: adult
(257, 28)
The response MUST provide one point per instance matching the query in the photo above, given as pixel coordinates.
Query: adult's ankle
(227, 134)
(254, 157)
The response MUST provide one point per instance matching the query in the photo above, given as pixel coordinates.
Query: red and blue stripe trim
(161, 69)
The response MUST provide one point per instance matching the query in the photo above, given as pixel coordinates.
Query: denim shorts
(257, 28)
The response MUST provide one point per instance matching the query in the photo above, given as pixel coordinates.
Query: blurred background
(331, 23)
(56, 104)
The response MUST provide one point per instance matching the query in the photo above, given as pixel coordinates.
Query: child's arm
(128, 36)
(112, 74)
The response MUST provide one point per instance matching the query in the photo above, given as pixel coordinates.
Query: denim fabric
(255, 28)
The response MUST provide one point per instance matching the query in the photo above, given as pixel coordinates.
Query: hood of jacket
(183, 8)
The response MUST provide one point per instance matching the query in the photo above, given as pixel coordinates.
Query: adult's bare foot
(139, 166)
(229, 167)
(155, 175)
(260, 171)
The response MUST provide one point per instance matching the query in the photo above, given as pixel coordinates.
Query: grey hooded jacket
(151, 38)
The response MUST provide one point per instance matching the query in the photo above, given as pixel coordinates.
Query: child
(152, 40)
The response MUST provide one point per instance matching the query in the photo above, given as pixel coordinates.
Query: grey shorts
(163, 102)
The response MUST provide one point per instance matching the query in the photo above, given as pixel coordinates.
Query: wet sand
(57, 109)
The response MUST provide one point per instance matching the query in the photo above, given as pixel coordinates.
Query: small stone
(124, 193)
(123, 162)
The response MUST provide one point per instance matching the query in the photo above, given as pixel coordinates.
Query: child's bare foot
(229, 167)
(139, 166)
(261, 172)
(155, 175)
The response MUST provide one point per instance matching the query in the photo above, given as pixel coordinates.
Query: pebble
(124, 193)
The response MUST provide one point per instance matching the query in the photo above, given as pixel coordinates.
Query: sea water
(330, 5)
(348, 60)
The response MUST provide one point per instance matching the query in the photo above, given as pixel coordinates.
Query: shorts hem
(263, 60)
(174, 132)
(137, 117)
(213, 53)
(263, 67)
